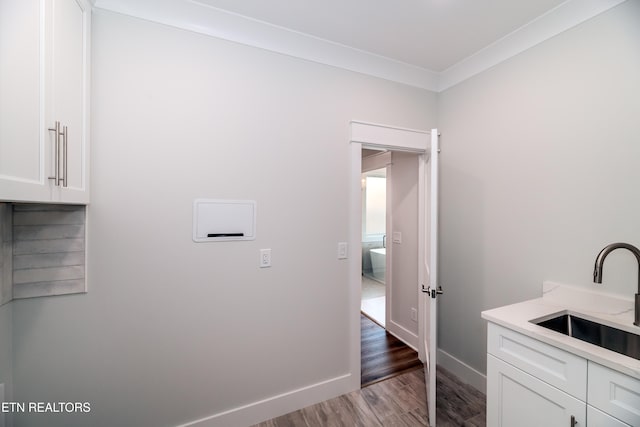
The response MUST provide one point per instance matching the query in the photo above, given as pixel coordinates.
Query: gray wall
(404, 217)
(170, 330)
(540, 171)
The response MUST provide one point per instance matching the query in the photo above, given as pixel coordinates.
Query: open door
(428, 274)
(426, 144)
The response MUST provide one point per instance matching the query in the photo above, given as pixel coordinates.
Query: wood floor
(457, 403)
(397, 402)
(382, 354)
(393, 396)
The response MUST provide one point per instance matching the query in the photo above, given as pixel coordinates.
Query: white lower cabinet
(531, 383)
(597, 418)
(520, 399)
(614, 393)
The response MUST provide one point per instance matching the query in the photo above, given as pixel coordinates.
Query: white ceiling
(431, 44)
(431, 34)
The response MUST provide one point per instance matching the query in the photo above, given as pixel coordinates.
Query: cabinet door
(596, 418)
(515, 398)
(614, 393)
(68, 23)
(22, 146)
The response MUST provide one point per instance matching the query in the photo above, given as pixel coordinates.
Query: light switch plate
(397, 237)
(342, 250)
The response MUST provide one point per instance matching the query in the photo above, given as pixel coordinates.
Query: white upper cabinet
(22, 171)
(44, 99)
(67, 78)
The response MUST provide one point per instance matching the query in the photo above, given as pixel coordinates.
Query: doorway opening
(374, 234)
(425, 144)
(389, 299)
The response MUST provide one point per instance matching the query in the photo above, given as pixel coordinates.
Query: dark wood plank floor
(383, 355)
(399, 402)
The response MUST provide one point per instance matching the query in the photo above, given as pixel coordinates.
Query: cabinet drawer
(614, 393)
(598, 418)
(516, 398)
(559, 368)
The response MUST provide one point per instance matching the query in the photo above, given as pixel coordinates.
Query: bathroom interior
(374, 219)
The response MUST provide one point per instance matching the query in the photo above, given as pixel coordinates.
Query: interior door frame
(364, 134)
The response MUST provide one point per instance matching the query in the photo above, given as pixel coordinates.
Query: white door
(428, 270)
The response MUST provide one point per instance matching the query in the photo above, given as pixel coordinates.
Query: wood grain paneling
(6, 238)
(48, 250)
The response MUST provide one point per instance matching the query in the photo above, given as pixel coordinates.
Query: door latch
(432, 292)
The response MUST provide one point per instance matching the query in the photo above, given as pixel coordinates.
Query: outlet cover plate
(265, 258)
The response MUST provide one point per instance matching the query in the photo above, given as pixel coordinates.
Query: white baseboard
(275, 406)
(403, 334)
(466, 373)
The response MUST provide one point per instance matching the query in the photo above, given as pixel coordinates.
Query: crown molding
(199, 17)
(559, 19)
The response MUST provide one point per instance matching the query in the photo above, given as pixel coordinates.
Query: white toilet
(378, 263)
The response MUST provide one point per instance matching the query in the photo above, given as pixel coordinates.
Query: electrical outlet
(265, 258)
(414, 314)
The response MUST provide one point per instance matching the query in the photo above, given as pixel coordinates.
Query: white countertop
(556, 298)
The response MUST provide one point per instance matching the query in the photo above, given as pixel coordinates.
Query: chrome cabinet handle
(59, 177)
(64, 157)
(56, 176)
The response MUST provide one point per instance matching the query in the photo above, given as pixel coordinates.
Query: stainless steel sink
(604, 336)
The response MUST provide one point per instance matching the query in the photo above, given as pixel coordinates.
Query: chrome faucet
(597, 270)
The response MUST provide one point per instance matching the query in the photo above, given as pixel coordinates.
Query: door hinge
(432, 292)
